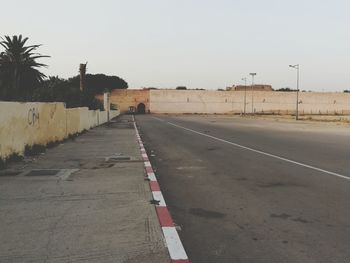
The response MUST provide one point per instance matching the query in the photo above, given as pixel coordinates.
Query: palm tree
(18, 66)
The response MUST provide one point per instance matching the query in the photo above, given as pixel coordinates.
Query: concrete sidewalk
(82, 201)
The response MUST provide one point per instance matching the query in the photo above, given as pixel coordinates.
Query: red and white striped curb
(172, 239)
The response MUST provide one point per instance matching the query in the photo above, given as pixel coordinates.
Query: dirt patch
(206, 213)
(281, 216)
(280, 184)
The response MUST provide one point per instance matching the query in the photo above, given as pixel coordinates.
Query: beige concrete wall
(114, 113)
(30, 123)
(73, 121)
(88, 119)
(126, 98)
(192, 101)
(223, 102)
(102, 117)
(24, 124)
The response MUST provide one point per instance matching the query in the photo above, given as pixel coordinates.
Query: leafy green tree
(99, 83)
(19, 69)
(286, 89)
(21, 80)
(55, 89)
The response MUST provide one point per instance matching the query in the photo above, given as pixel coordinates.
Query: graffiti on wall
(33, 116)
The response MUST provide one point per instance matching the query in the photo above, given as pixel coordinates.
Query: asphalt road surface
(251, 190)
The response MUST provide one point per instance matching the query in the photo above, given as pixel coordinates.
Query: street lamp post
(297, 102)
(253, 75)
(245, 94)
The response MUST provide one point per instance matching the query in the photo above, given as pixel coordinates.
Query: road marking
(157, 195)
(147, 164)
(152, 177)
(144, 156)
(173, 241)
(261, 152)
(159, 119)
(164, 216)
(154, 186)
(149, 169)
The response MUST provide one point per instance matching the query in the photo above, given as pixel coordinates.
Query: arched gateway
(141, 108)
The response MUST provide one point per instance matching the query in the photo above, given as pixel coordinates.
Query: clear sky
(195, 43)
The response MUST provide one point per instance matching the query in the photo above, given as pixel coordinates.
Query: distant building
(257, 87)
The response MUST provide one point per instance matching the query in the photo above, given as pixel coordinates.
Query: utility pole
(297, 66)
(245, 95)
(82, 70)
(253, 75)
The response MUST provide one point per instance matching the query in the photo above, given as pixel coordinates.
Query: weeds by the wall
(52, 144)
(35, 149)
(15, 157)
(2, 164)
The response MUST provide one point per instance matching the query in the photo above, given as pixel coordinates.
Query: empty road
(252, 190)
